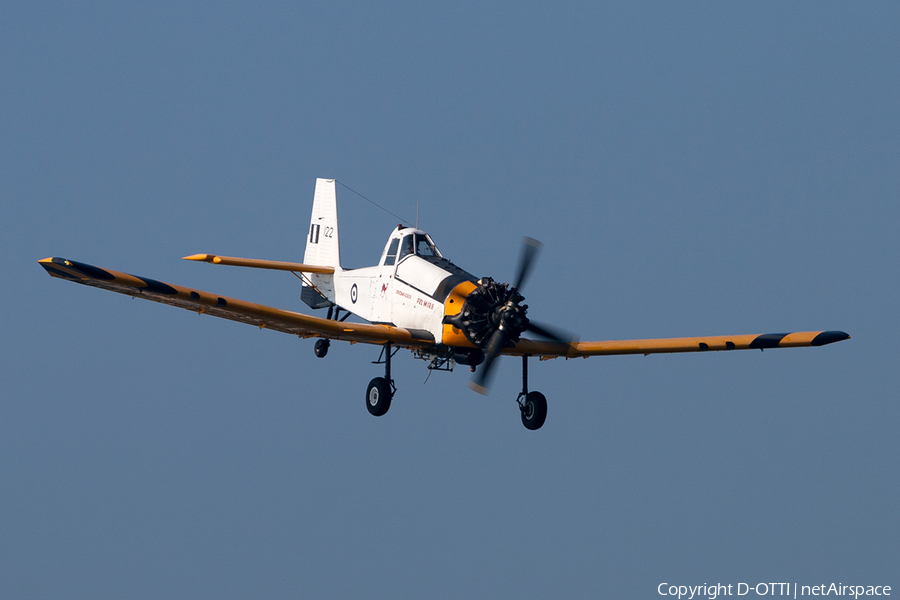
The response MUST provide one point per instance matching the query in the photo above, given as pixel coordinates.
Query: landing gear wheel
(321, 348)
(378, 397)
(534, 410)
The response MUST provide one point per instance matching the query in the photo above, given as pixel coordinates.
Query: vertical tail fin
(322, 246)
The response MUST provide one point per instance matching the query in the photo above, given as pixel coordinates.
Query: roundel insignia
(354, 294)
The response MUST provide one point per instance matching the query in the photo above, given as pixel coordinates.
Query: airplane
(416, 299)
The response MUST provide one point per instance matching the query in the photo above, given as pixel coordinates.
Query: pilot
(407, 246)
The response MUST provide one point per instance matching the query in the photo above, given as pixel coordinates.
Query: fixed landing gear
(534, 410)
(378, 396)
(321, 348)
(533, 405)
(381, 389)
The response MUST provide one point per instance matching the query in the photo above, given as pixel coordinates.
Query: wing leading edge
(242, 311)
(548, 350)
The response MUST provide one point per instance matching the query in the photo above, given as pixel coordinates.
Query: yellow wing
(761, 341)
(230, 308)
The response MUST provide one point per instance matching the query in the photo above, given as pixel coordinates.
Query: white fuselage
(412, 286)
(408, 288)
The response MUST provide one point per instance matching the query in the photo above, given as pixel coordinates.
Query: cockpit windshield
(425, 247)
(418, 244)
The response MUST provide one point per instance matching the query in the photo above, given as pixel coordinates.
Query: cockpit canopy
(416, 242)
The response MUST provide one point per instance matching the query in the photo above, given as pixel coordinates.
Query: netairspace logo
(770, 589)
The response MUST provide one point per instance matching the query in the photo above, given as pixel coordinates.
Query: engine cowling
(490, 307)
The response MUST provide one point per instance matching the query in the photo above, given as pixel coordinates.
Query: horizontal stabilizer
(278, 265)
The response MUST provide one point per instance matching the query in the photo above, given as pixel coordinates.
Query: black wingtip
(829, 337)
(74, 270)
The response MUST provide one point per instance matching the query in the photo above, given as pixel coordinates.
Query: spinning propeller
(496, 317)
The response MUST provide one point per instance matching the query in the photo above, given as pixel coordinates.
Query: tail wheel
(534, 410)
(378, 397)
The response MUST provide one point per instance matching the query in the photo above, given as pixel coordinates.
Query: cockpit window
(425, 247)
(391, 255)
(406, 246)
(415, 243)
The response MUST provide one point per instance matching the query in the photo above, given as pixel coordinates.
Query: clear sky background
(692, 169)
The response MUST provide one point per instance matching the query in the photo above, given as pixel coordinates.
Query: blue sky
(692, 169)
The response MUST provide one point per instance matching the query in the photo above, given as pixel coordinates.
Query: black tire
(534, 413)
(378, 396)
(321, 348)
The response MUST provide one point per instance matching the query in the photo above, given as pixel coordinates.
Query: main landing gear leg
(533, 405)
(381, 389)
